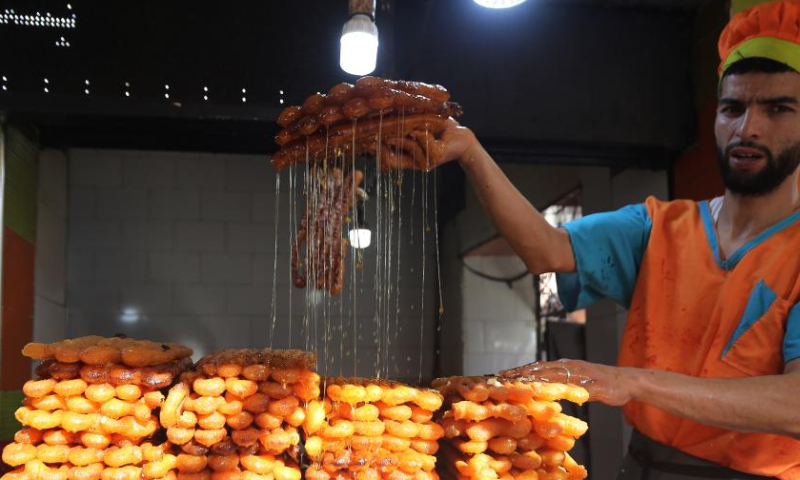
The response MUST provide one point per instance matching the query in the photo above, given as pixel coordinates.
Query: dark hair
(757, 65)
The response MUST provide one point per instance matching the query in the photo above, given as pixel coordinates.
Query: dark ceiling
(269, 47)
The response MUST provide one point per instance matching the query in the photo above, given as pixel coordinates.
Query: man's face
(758, 131)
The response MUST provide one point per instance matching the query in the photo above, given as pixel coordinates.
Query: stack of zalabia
(400, 121)
(90, 413)
(237, 415)
(509, 430)
(372, 430)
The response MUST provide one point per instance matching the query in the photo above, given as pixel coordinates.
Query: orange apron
(695, 314)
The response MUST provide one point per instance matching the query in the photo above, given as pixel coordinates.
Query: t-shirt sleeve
(608, 249)
(791, 339)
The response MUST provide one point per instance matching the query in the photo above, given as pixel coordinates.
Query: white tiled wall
(51, 231)
(499, 329)
(180, 247)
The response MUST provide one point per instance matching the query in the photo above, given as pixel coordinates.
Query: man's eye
(732, 109)
(781, 109)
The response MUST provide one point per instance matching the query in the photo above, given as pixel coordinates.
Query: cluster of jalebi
(320, 230)
(90, 413)
(237, 415)
(504, 429)
(373, 429)
(401, 121)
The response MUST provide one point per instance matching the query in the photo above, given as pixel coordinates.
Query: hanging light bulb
(499, 3)
(359, 43)
(360, 235)
(360, 238)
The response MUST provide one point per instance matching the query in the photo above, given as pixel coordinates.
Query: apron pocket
(756, 346)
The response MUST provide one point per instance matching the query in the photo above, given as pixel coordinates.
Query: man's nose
(751, 125)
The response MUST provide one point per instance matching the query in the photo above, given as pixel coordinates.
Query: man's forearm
(761, 404)
(542, 247)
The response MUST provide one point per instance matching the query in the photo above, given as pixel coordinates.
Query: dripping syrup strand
(379, 255)
(424, 235)
(399, 248)
(292, 239)
(344, 277)
(306, 268)
(394, 182)
(273, 308)
(354, 219)
(436, 238)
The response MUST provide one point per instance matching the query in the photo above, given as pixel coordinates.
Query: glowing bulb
(359, 45)
(499, 3)
(130, 315)
(360, 237)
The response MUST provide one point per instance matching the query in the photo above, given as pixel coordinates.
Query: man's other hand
(609, 385)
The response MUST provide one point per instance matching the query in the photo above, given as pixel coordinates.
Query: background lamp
(360, 238)
(360, 235)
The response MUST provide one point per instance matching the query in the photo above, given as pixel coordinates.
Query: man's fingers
(538, 374)
(532, 368)
(522, 371)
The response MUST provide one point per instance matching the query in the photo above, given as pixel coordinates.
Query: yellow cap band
(776, 49)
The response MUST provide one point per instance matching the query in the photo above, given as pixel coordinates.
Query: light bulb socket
(364, 7)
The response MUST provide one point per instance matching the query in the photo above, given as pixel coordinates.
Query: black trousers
(649, 460)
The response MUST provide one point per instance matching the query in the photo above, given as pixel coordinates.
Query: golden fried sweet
(95, 350)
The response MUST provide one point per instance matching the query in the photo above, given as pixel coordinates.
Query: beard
(757, 184)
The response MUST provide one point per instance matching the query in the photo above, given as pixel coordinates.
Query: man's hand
(766, 403)
(455, 144)
(609, 385)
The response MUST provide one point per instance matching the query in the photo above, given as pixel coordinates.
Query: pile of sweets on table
(89, 414)
(125, 409)
(238, 414)
(366, 429)
(507, 429)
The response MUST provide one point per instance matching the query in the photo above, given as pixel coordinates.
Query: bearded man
(709, 368)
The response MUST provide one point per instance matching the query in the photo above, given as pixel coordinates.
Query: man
(709, 368)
